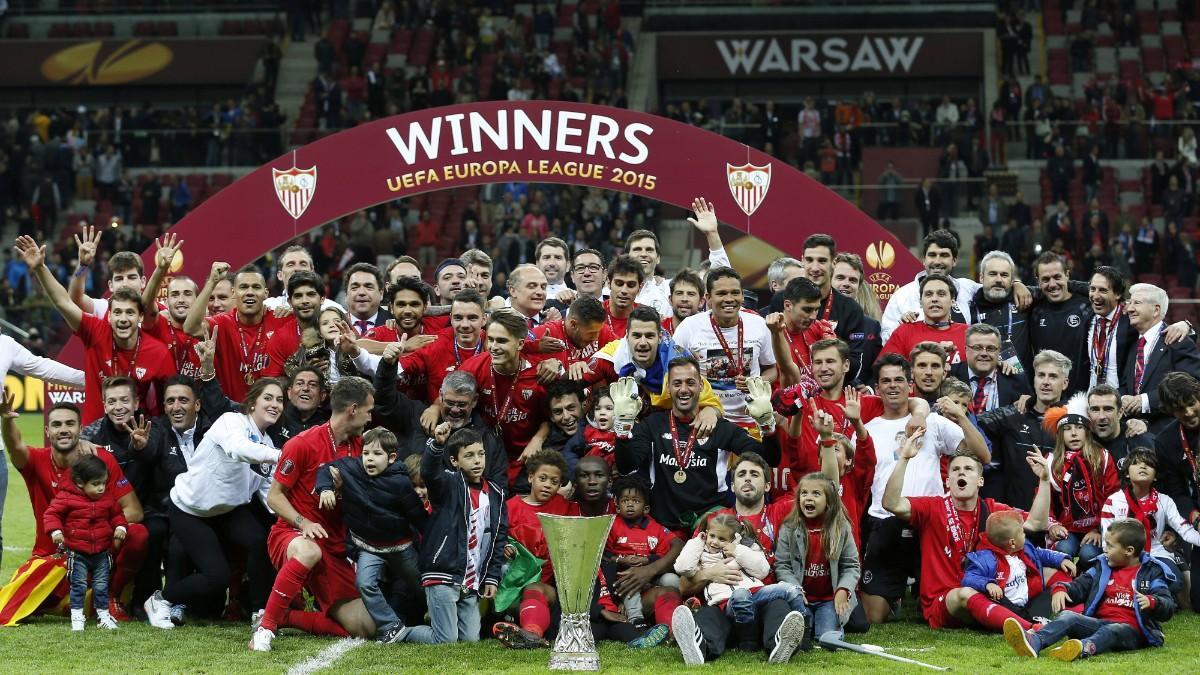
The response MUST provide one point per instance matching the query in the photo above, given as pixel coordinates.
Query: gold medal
(249, 378)
(680, 476)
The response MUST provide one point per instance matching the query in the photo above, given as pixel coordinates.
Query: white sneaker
(105, 620)
(158, 611)
(261, 640)
(77, 620)
(787, 638)
(687, 636)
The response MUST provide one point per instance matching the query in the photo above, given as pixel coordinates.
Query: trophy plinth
(576, 544)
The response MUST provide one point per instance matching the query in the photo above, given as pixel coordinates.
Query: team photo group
(1009, 456)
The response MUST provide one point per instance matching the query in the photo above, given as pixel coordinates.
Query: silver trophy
(576, 544)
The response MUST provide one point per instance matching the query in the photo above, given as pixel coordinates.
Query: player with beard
(1016, 430)
(242, 334)
(305, 297)
(687, 297)
(888, 555)
(458, 396)
(750, 482)
(1177, 446)
(952, 525)
(795, 330)
(450, 277)
(928, 361)
(181, 294)
(1109, 427)
(625, 277)
(116, 346)
(294, 258)
(643, 246)
(407, 301)
(566, 345)
(514, 402)
(46, 471)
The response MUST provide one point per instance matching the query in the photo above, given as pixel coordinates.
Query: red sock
(288, 584)
(664, 607)
(535, 612)
(314, 623)
(992, 615)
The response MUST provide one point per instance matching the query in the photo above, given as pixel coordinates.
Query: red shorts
(331, 581)
(939, 616)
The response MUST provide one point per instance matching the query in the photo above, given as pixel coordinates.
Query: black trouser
(201, 539)
(149, 577)
(618, 631)
(716, 627)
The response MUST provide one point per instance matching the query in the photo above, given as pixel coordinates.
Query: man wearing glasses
(991, 386)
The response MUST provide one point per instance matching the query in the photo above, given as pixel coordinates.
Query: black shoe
(514, 637)
(640, 624)
(391, 635)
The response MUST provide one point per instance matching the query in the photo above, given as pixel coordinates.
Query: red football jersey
(242, 349)
(802, 455)
(515, 404)
(524, 526)
(297, 471)
(429, 365)
(646, 537)
(600, 443)
(281, 347)
(43, 480)
(614, 325)
(147, 363)
(181, 345)
(572, 354)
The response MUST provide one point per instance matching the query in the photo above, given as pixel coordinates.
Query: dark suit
(929, 207)
(1162, 359)
(1009, 388)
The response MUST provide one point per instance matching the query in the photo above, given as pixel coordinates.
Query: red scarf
(1139, 513)
(1033, 572)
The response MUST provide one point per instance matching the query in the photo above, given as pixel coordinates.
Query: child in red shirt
(87, 520)
(598, 438)
(1125, 598)
(636, 539)
(547, 471)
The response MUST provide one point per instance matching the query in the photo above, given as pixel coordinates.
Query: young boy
(635, 539)
(88, 521)
(462, 556)
(1125, 598)
(598, 438)
(1007, 572)
(546, 471)
(384, 516)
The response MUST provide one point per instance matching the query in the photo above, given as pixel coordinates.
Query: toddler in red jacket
(88, 522)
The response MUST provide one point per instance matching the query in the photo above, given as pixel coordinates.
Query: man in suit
(1151, 358)
(364, 295)
(929, 206)
(1176, 444)
(991, 388)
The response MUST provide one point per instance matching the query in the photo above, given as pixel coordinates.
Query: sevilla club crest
(748, 184)
(295, 188)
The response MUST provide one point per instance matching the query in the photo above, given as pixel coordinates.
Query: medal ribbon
(963, 545)
(137, 347)
(738, 368)
(681, 458)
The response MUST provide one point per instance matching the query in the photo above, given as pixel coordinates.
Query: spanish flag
(40, 581)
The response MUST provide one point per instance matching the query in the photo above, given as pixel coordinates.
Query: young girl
(320, 345)
(598, 438)
(1138, 499)
(724, 538)
(86, 519)
(1082, 474)
(816, 551)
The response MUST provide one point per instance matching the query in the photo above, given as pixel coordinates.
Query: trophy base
(574, 661)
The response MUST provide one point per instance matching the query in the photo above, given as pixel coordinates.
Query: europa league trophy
(576, 545)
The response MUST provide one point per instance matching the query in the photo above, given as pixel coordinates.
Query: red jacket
(87, 524)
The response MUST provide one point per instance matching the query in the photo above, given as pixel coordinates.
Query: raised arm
(26, 362)
(167, 248)
(1038, 519)
(194, 323)
(18, 452)
(35, 257)
(706, 222)
(87, 241)
(893, 499)
(972, 439)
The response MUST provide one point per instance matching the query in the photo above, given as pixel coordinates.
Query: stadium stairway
(296, 71)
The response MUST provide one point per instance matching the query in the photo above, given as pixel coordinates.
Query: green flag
(524, 569)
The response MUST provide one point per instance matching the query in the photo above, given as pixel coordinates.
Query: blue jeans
(1073, 547)
(1097, 636)
(743, 605)
(825, 619)
(453, 616)
(373, 571)
(79, 566)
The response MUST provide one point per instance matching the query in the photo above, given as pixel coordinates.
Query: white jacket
(1168, 514)
(17, 359)
(694, 558)
(219, 476)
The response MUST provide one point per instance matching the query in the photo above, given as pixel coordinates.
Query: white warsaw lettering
(832, 55)
(566, 131)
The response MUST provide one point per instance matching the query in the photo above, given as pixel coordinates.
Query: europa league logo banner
(527, 141)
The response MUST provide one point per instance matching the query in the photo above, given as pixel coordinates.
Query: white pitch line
(326, 657)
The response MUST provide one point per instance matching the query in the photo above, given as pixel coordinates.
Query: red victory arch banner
(530, 141)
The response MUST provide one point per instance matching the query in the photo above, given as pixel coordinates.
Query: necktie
(363, 326)
(980, 400)
(1140, 366)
